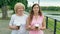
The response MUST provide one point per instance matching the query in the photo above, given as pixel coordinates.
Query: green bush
(50, 8)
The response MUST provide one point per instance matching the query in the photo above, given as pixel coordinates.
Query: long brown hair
(32, 13)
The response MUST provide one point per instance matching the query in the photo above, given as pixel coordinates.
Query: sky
(45, 2)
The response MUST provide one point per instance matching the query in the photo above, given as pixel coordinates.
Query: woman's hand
(37, 28)
(30, 27)
(13, 27)
(33, 28)
(42, 28)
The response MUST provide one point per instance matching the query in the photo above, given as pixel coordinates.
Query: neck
(35, 14)
(20, 14)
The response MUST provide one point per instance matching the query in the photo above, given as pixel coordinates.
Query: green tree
(3, 4)
(13, 2)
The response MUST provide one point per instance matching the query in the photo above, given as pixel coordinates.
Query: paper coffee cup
(36, 25)
(18, 25)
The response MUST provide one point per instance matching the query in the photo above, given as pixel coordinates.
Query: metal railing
(56, 19)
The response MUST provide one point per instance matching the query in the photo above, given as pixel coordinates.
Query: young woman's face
(36, 9)
(20, 9)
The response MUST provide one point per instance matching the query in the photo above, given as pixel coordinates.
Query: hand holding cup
(37, 26)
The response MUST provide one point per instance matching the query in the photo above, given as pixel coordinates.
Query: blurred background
(50, 9)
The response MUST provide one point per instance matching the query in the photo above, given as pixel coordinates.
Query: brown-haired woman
(35, 22)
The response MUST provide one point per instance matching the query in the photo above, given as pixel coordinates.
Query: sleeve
(11, 21)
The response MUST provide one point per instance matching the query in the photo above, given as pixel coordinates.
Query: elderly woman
(18, 20)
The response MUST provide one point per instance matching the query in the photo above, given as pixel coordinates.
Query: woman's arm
(11, 26)
(43, 25)
(28, 26)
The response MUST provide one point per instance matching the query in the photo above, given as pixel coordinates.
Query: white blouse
(21, 20)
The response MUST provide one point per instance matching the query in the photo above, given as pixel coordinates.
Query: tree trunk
(4, 12)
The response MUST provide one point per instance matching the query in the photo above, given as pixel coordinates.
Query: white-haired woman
(18, 20)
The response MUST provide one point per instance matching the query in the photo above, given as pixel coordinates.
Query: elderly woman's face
(20, 9)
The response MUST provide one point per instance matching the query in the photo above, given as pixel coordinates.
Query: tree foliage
(11, 3)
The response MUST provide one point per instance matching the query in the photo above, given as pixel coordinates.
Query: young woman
(18, 20)
(35, 22)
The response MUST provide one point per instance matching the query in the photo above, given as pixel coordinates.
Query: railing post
(55, 26)
(46, 22)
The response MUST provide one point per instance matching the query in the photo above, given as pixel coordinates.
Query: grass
(51, 26)
(0, 11)
(7, 18)
(51, 12)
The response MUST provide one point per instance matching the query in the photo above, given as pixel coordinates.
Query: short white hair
(17, 5)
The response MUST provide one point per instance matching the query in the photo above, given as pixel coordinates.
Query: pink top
(39, 21)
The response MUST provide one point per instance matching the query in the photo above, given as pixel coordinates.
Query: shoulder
(25, 15)
(14, 15)
(42, 15)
